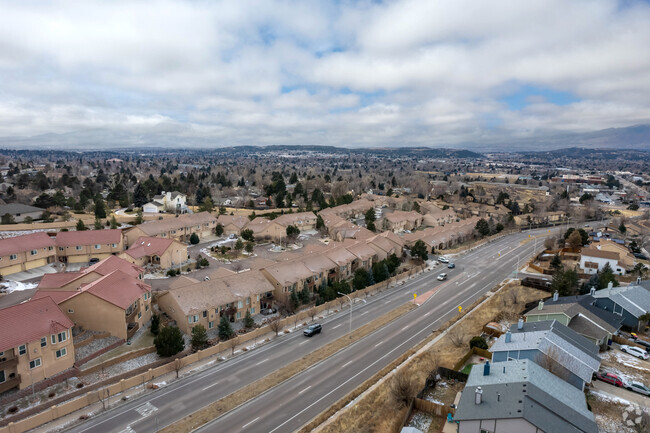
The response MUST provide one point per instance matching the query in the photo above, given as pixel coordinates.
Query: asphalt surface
(296, 401)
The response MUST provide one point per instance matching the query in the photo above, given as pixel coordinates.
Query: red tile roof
(57, 296)
(89, 237)
(29, 242)
(114, 263)
(54, 281)
(149, 246)
(29, 321)
(117, 288)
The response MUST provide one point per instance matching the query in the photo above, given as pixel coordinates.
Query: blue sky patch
(527, 95)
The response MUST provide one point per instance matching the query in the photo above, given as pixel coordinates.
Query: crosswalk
(146, 409)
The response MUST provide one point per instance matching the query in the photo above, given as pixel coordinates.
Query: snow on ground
(122, 367)
(13, 234)
(630, 361)
(17, 286)
(421, 421)
(612, 398)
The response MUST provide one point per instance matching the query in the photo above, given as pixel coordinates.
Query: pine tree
(248, 320)
(199, 337)
(169, 341)
(225, 330)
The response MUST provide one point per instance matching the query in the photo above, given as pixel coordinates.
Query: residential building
(579, 314)
(21, 211)
(84, 246)
(116, 303)
(74, 280)
(625, 257)
(158, 252)
(21, 253)
(174, 202)
(593, 259)
(441, 237)
(356, 209)
(232, 224)
(179, 228)
(630, 303)
(36, 343)
(435, 216)
(264, 228)
(190, 302)
(521, 397)
(399, 221)
(551, 345)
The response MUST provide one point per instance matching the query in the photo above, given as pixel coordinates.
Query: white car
(443, 260)
(638, 387)
(635, 351)
(442, 277)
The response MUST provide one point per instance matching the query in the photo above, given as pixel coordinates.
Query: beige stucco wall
(88, 252)
(25, 260)
(50, 365)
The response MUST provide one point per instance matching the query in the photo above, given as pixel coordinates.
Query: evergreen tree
(606, 276)
(225, 330)
(81, 226)
(199, 337)
(419, 250)
(556, 263)
(482, 227)
(294, 299)
(155, 324)
(304, 295)
(248, 320)
(194, 239)
(218, 230)
(360, 280)
(169, 341)
(100, 208)
(114, 224)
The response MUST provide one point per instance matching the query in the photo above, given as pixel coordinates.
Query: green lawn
(467, 368)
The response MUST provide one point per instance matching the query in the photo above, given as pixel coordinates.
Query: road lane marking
(379, 343)
(304, 390)
(334, 327)
(262, 361)
(304, 342)
(210, 386)
(247, 424)
(146, 409)
(425, 315)
(406, 327)
(347, 363)
(363, 313)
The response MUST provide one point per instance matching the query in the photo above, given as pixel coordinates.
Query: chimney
(555, 296)
(478, 396)
(508, 337)
(486, 368)
(592, 291)
(498, 397)
(541, 305)
(638, 280)
(520, 323)
(610, 286)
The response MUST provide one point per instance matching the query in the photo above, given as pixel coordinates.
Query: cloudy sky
(342, 73)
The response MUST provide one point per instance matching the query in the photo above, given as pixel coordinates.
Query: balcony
(130, 317)
(6, 364)
(10, 383)
(131, 329)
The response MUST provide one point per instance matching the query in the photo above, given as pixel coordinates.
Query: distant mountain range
(633, 138)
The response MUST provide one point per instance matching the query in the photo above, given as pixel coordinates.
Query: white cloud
(348, 73)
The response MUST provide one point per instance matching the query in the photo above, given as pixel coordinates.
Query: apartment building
(159, 252)
(74, 280)
(179, 228)
(400, 221)
(232, 224)
(84, 246)
(22, 253)
(36, 343)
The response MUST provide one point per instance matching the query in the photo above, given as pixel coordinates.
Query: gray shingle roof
(635, 299)
(17, 208)
(522, 389)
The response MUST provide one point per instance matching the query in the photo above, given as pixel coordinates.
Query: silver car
(638, 387)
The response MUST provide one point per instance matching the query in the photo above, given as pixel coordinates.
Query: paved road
(616, 393)
(305, 395)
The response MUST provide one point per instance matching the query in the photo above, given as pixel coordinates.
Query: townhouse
(84, 246)
(303, 220)
(266, 229)
(232, 224)
(74, 280)
(399, 221)
(36, 343)
(435, 216)
(446, 236)
(179, 228)
(190, 302)
(158, 252)
(356, 209)
(21, 253)
(629, 303)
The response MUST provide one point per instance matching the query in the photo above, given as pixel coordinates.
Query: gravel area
(120, 368)
(93, 347)
(420, 420)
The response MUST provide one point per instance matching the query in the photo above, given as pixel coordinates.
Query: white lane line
(363, 313)
(210, 386)
(346, 364)
(304, 342)
(304, 390)
(425, 315)
(406, 327)
(247, 424)
(379, 343)
(334, 327)
(146, 409)
(262, 361)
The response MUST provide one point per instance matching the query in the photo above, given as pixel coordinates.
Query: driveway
(612, 392)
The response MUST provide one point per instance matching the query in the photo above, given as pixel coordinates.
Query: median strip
(241, 396)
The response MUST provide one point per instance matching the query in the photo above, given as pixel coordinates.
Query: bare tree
(104, 396)
(551, 362)
(403, 389)
(456, 337)
(177, 365)
(232, 343)
(312, 312)
(275, 325)
(549, 243)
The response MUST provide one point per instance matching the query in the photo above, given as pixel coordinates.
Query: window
(53, 339)
(22, 349)
(35, 363)
(70, 310)
(248, 301)
(252, 310)
(114, 245)
(146, 308)
(485, 431)
(98, 246)
(50, 248)
(205, 313)
(43, 341)
(61, 249)
(139, 314)
(239, 315)
(2, 376)
(62, 336)
(78, 247)
(13, 257)
(239, 304)
(216, 311)
(210, 325)
(61, 352)
(258, 297)
(33, 252)
(193, 319)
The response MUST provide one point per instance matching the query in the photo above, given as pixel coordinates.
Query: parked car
(443, 259)
(640, 256)
(638, 387)
(451, 266)
(609, 378)
(637, 340)
(635, 351)
(312, 329)
(442, 277)
(267, 311)
(93, 260)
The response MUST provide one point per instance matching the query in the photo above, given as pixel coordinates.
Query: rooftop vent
(520, 324)
(555, 296)
(478, 396)
(486, 368)
(508, 337)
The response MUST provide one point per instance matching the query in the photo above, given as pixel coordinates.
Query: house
(593, 259)
(38, 345)
(630, 303)
(116, 303)
(435, 216)
(179, 228)
(159, 252)
(21, 211)
(21, 253)
(190, 302)
(551, 345)
(74, 280)
(232, 224)
(399, 221)
(294, 275)
(356, 209)
(579, 314)
(264, 228)
(84, 246)
(303, 220)
(518, 397)
(625, 257)
(175, 202)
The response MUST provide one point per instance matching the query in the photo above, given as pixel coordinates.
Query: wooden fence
(474, 351)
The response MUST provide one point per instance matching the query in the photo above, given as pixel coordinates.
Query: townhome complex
(83, 246)
(162, 252)
(35, 344)
(21, 253)
(179, 228)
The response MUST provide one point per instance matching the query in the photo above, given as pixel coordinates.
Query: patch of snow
(421, 421)
(612, 398)
(629, 361)
(155, 276)
(17, 286)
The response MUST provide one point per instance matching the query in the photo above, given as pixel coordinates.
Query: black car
(640, 256)
(312, 329)
(451, 266)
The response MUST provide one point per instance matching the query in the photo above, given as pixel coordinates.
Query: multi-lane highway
(296, 401)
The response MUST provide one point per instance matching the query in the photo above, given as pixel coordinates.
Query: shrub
(479, 342)
(194, 239)
(169, 341)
